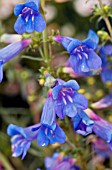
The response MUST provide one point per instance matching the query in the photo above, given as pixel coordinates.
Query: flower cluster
(63, 99)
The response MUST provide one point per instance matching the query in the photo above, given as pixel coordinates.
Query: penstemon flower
(21, 139)
(10, 52)
(59, 162)
(104, 102)
(101, 127)
(67, 100)
(83, 57)
(49, 132)
(29, 17)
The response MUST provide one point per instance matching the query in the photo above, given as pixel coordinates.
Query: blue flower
(29, 17)
(59, 162)
(83, 57)
(104, 102)
(106, 52)
(82, 124)
(67, 100)
(101, 127)
(10, 52)
(49, 132)
(101, 148)
(21, 139)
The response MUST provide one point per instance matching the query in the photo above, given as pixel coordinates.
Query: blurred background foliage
(22, 94)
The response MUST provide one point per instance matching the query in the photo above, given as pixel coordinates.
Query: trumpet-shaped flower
(21, 139)
(10, 52)
(29, 17)
(83, 57)
(49, 132)
(103, 103)
(101, 127)
(67, 100)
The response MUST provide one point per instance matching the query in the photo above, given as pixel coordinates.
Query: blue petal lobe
(37, 3)
(30, 26)
(60, 135)
(74, 63)
(18, 9)
(20, 25)
(26, 147)
(72, 84)
(72, 45)
(83, 65)
(42, 138)
(80, 101)
(89, 43)
(93, 36)
(94, 61)
(70, 110)
(48, 113)
(56, 90)
(31, 5)
(106, 76)
(39, 23)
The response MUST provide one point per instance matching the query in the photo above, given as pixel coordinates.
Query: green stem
(41, 53)
(45, 46)
(32, 58)
(106, 20)
(108, 25)
(5, 162)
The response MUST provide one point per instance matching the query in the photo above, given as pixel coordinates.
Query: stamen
(85, 54)
(27, 18)
(46, 131)
(63, 94)
(64, 101)
(33, 18)
(70, 99)
(80, 56)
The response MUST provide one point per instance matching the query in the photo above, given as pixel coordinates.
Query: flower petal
(80, 100)
(94, 62)
(59, 135)
(70, 110)
(89, 43)
(32, 5)
(104, 102)
(56, 90)
(20, 25)
(48, 113)
(93, 36)
(72, 84)
(74, 63)
(30, 26)
(42, 138)
(106, 76)
(10, 51)
(18, 9)
(39, 23)
(37, 2)
(72, 45)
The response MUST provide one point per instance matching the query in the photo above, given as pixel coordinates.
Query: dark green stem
(106, 20)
